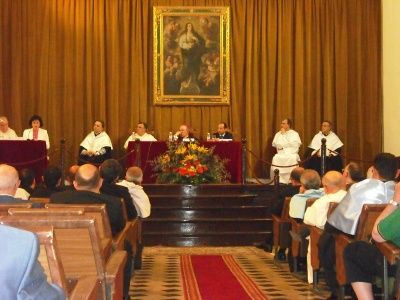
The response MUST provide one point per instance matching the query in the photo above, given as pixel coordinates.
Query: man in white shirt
(140, 134)
(287, 143)
(6, 133)
(333, 148)
(133, 180)
(334, 188)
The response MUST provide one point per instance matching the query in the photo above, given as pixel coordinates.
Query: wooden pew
(49, 257)
(5, 206)
(281, 227)
(130, 232)
(99, 213)
(299, 249)
(391, 255)
(369, 214)
(80, 248)
(41, 201)
(315, 234)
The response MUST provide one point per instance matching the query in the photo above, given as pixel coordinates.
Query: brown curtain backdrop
(74, 61)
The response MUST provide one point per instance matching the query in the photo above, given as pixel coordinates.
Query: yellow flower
(181, 150)
(193, 147)
(202, 149)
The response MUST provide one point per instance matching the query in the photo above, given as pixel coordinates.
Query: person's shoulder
(64, 194)
(11, 234)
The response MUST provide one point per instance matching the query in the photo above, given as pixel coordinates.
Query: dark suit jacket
(21, 276)
(226, 136)
(44, 192)
(287, 191)
(113, 205)
(116, 190)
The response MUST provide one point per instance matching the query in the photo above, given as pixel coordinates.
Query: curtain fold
(76, 61)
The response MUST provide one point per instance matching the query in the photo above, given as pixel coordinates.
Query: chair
(369, 214)
(130, 232)
(315, 234)
(391, 255)
(281, 227)
(5, 206)
(80, 249)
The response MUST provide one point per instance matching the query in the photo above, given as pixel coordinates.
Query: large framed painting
(191, 55)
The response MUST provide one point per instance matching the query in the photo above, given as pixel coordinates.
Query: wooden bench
(5, 206)
(391, 255)
(281, 227)
(99, 213)
(299, 249)
(315, 235)
(80, 249)
(38, 200)
(88, 288)
(368, 216)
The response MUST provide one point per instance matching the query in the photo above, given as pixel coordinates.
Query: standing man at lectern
(140, 134)
(287, 143)
(333, 149)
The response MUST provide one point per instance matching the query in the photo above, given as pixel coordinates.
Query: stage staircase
(208, 215)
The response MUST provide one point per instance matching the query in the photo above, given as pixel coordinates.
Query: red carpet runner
(207, 277)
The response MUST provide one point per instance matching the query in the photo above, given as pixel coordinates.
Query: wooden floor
(160, 276)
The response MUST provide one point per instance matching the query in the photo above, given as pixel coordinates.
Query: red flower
(183, 171)
(192, 173)
(199, 169)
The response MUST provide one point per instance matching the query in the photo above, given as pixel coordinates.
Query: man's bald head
(134, 174)
(333, 181)
(87, 178)
(9, 180)
(295, 175)
(71, 173)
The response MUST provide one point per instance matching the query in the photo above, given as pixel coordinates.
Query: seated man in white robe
(140, 134)
(333, 149)
(96, 147)
(287, 143)
(6, 133)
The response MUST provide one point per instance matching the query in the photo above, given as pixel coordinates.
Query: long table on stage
(25, 154)
(232, 151)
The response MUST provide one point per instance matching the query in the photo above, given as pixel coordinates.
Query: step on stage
(208, 215)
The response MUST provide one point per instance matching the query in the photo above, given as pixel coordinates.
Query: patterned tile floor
(160, 278)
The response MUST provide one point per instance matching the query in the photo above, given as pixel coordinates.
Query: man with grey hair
(310, 188)
(9, 183)
(133, 180)
(6, 133)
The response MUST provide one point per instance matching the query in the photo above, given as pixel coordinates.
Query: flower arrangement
(189, 163)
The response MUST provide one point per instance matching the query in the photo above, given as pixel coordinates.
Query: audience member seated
(51, 183)
(363, 260)
(9, 183)
(286, 191)
(21, 275)
(316, 215)
(36, 133)
(110, 171)
(87, 185)
(6, 133)
(133, 181)
(333, 149)
(310, 188)
(377, 190)
(287, 143)
(184, 134)
(69, 181)
(222, 133)
(27, 184)
(140, 134)
(352, 173)
(96, 147)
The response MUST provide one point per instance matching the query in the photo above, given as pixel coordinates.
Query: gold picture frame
(191, 55)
